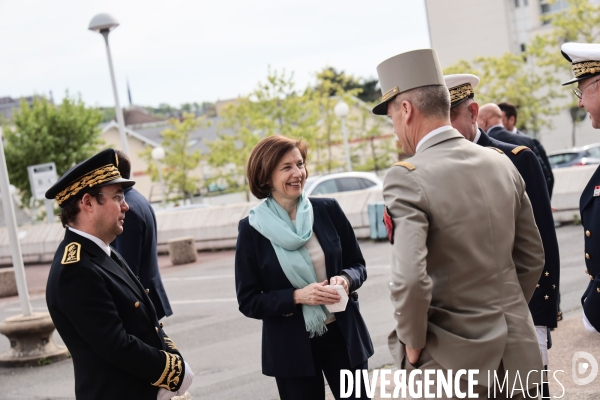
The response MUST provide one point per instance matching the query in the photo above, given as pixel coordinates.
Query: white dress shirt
(105, 248)
(432, 134)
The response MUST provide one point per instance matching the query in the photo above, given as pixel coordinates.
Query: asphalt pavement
(224, 348)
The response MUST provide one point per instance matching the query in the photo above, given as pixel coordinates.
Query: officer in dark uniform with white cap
(463, 115)
(585, 59)
(98, 306)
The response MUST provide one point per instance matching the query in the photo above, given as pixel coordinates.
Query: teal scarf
(274, 223)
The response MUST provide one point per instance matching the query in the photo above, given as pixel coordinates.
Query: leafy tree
(179, 160)
(378, 151)
(532, 80)
(274, 107)
(64, 134)
(368, 89)
(510, 78)
(323, 102)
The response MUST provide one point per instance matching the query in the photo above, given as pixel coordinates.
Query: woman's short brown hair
(264, 158)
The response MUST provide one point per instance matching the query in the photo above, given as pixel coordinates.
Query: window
(550, 8)
(326, 187)
(594, 152)
(349, 184)
(365, 183)
(561, 158)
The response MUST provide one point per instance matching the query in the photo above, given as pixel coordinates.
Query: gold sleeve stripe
(406, 165)
(170, 344)
(519, 149)
(495, 148)
(171, 374)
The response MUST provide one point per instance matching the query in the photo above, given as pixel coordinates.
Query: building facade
(465, 29)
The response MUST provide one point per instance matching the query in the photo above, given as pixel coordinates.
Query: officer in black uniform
(585, 59)
(498, 131)
(463, 115)
(98, 306)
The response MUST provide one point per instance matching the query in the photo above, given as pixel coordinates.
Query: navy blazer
(137, 245)
(543, 309)
(264, 292)
(589, 206)
(501, 134)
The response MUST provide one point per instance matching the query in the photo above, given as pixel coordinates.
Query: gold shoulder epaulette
(406, 165)
(495, 148)
(519, 149)
(72, 253)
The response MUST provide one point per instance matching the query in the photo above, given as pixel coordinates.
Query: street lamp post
(158, 153)
(341, 109)
(103, 24)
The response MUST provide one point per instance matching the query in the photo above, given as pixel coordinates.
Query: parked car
(577, 156)
(342, 182)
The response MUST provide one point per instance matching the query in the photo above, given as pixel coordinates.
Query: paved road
(221, 345)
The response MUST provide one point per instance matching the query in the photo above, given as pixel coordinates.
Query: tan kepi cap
(584, 58)
(461, 87)
(407, 71)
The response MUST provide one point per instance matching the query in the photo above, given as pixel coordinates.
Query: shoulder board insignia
(495, 148)
(406, 165)
(72, 253)
(519, 149)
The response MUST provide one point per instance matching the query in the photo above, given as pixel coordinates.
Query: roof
(198, 138)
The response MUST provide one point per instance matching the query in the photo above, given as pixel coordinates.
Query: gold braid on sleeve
(170, 344)
(171, 374)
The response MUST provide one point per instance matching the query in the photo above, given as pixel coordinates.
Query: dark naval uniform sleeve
(87, 301)
(544, 303)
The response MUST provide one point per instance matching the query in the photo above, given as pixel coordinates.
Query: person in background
(138, 244)
(509, 120)
(288, 250)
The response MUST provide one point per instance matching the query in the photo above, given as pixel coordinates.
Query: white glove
(164, 394)
(188, 377)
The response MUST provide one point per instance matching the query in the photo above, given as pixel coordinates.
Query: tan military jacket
(463, 267)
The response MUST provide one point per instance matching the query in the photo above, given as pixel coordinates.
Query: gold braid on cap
(96, 177)
(586, 67)
(390, 93)
(461, 92)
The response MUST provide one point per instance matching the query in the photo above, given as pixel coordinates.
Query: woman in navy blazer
(297, 361)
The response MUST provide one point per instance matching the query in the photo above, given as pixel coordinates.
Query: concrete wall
(216, 227)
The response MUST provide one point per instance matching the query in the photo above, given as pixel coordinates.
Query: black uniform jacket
(137, 245)
(589, 206)
(109, 325)
(544, 303)
(264, 292)
(505, 136)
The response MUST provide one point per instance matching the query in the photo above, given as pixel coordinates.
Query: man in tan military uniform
(466, 251)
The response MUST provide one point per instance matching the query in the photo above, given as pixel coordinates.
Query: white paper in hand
(340, 305)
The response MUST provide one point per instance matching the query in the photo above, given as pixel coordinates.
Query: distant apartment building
(465, 29)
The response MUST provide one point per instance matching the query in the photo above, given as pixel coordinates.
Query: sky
(193, 51)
